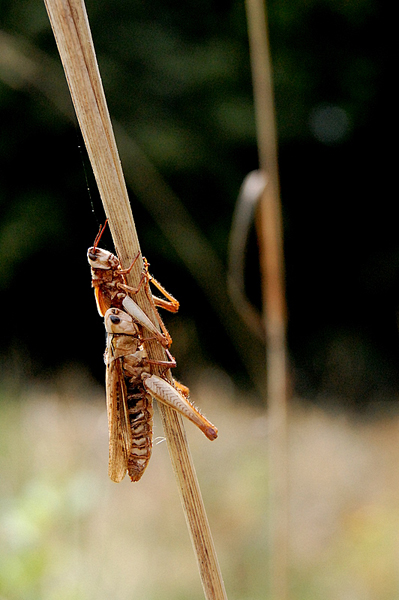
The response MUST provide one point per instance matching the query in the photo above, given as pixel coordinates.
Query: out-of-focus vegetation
(177, 78)
(67, 532)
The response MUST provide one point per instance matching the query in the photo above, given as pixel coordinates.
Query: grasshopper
(130, 388)
(111, 289)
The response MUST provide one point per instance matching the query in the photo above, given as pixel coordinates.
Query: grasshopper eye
(114, 319)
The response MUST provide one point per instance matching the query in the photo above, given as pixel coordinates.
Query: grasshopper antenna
(99, 234)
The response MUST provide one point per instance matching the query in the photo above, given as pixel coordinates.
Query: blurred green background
(177, 80)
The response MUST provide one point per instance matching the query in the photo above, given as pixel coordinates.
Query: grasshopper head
(101, 259)
(118, 321)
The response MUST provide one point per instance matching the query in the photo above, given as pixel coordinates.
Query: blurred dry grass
(68, 533)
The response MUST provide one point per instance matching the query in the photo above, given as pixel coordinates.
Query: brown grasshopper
(130, 389)
(111, 289)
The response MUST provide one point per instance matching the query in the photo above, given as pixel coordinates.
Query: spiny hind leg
(183, 389)
(164, 392)
(139, 316)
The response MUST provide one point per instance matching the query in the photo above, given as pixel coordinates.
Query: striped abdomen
(140, 416)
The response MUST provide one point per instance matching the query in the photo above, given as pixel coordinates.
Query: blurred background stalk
(270, 235)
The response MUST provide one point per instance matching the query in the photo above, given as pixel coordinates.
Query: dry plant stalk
(269, 227)
(23, 65)
(71, 29)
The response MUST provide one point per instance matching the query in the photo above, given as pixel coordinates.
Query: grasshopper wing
(118, 420)
(103, 303)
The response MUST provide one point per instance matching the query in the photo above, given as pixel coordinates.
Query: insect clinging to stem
(130, 388)
(111, 289)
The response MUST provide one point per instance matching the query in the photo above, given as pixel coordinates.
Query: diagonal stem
(70, 25)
